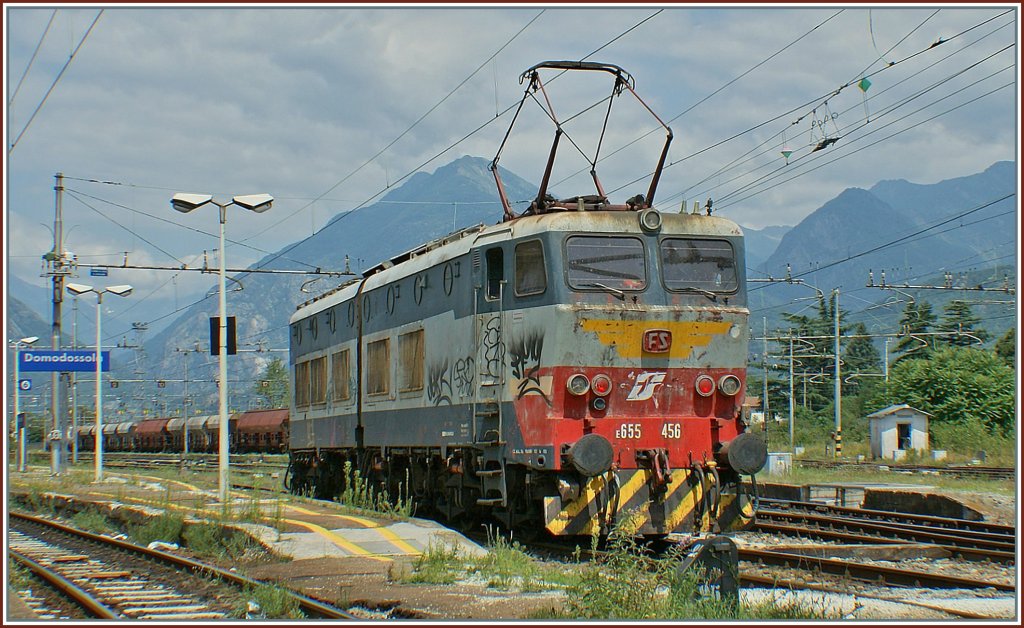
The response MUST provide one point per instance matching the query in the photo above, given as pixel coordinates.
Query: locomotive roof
(461, 242)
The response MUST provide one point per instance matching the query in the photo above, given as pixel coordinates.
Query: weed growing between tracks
(267, 601)
(361, 495)
(18, 578)
(92, 520)
(624, 581)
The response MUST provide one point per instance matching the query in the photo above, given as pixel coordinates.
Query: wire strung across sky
(474, 131)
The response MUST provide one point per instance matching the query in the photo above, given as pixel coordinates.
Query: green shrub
(167, 528)
(439, 564)
(92, 521)
(268, 602)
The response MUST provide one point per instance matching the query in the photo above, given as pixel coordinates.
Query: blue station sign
(62, 361)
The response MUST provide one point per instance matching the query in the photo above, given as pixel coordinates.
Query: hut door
(903, 436)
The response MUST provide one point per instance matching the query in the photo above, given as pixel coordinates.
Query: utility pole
(59, 268)
(74, 386)
(184, 426)
(764, 365)
(792, 414)
(839, 384)
(887, 340)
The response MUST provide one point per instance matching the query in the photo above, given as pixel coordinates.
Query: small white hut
(897, 430)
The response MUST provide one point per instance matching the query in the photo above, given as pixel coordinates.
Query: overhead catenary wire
(709, 96)
(811, 105)
(408, 129)
(364, 203)
(54, 84)
(442, 152)
(888, 137)
(10, 102)
(753, 153)
(798, 162)
(900, 239)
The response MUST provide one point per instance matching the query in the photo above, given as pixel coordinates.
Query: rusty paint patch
(627, 336)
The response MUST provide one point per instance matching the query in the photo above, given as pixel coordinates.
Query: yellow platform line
(388, 534)
(393, 538)
(338, 540)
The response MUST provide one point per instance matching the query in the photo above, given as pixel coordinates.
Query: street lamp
(258, 203)
(121, 291)
(19, 425)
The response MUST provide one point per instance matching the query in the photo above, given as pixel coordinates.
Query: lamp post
(121, 291)
(18, 423)
(258, 203)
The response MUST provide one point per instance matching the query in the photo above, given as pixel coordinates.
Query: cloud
(296, 101)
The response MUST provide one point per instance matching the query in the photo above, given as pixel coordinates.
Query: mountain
(761, 243)
(835, 245)
(912, 232)
(23, 321)
(427, 206)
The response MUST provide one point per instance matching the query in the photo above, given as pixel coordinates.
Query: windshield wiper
(709, 294)
(615, 291)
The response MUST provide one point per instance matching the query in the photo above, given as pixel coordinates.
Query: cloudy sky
(326, 106)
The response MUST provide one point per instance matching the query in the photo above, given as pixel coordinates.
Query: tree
(1006, 347)
(917, 318)
(959, 319)
(954, 385)
(859, 356)
(812, 348)
(272, 385)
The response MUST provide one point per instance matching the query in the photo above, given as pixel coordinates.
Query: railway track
(866, 572)
(890, 516)
(134, 582)
(961, 538)
(973, 471)
(793, 585)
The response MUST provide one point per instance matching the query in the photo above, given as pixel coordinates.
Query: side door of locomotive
(490, 268)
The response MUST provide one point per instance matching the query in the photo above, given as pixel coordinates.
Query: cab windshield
(690, 264)
(610, 263)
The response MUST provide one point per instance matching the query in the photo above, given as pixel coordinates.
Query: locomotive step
(489, 473)
(491, 501)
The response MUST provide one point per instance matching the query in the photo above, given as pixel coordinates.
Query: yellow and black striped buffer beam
(683, 506)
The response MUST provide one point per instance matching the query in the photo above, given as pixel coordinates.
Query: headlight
(578, 384)
(729, 385)
(650, 219)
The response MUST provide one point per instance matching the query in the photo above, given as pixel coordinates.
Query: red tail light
(705, 386)
(601, 385)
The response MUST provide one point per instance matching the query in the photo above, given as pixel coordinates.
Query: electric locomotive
(578, 366)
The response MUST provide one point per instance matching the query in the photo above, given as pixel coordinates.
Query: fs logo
(646, 384)
(657, 340)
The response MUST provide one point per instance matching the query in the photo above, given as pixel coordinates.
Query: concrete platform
(296, 527)
(16, 609)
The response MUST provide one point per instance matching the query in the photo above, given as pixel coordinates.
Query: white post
(222, 486)
(18, 427)
(764, 366)
(887, 359)
(74, 388)
(838, 386)
(791, 412)
(99, 388)
(184, 427)
(258, 203)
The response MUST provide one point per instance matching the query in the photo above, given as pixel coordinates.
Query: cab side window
(531, 277)
(495, 273)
